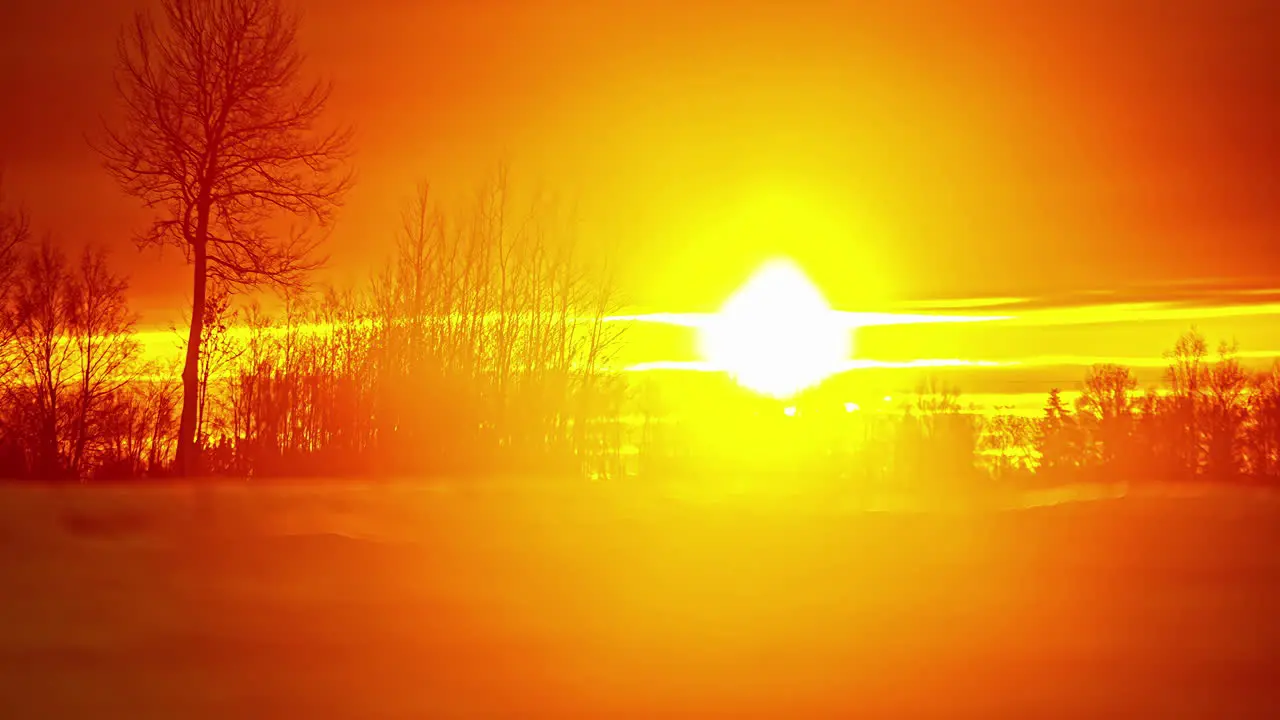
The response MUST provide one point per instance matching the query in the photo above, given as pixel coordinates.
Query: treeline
(482, 347)
(77, 397)
(1213, 418)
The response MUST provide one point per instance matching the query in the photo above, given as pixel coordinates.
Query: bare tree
(1262, 433)
(1225, 411)
(934, 397)
(1107, 405)
(220, 137)
(15, 231)
(1108, 391)
(1188, 376)
(1008, 439)
(41, 322)
(102, 327)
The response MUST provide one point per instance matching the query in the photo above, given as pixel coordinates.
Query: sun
(777, 335)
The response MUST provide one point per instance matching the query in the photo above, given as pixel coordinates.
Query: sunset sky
(902, 152)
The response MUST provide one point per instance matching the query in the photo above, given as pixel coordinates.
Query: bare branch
(222, 138)
(217, 122)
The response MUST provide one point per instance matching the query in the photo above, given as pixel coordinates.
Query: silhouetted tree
(220, 137)
(137, 429)
(1058, 438)
(41, 321)
(73, 352)
(102, 326)
(1187, 376)
(1156, 437)
(1106, 407)
(937, 443)
(933, 397)
(1225, 411)
(15, 232)
(250, 399)
(1262, 431)
(1008, 439)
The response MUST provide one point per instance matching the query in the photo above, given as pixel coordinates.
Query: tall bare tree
(221, 137)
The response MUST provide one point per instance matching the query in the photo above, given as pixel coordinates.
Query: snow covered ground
(523, 600)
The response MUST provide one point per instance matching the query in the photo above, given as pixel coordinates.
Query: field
(522, 600)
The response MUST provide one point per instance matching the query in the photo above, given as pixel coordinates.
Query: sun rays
(777, 335)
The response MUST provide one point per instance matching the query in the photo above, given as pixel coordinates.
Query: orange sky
(895, 149)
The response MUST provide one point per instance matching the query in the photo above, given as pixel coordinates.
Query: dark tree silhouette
(1187, 375)
(1058, 437)
(1008, 440)
(1107, 404)
(15, 231)
(220, 137)
(40, 321)
(1262, 433)
(73, 351)
(1225, 412)
(1156, 436)
(101, 326)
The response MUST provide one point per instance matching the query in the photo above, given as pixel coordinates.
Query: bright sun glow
(776, 335)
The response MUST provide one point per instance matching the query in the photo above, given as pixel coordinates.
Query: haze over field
(516, 599)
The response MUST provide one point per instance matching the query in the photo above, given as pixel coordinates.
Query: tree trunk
(187, 460)
(82, 421)
(82, 429)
